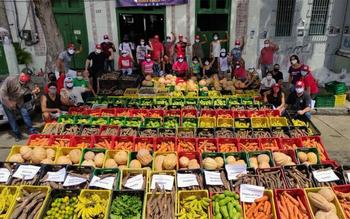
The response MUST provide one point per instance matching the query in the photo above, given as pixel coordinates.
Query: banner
(148, 3)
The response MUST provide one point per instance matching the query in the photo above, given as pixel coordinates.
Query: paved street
(335, 134)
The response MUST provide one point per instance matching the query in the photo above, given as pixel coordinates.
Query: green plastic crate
(336, 87)
(325, 101)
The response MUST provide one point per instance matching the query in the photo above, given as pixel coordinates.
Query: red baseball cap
(300, 84)
(98, 46)
(237, 42)
(197, 37)
(105, 37)
(180, 56)
(70, 46)
(24, 78)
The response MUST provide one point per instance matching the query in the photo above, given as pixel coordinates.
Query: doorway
(140, 23)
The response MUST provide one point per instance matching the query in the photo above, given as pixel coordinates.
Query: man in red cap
(310, 83)
(109, 49)
(64, 58)
(180, 67)
(180, 47)
(169, 47)
(158, 49)
(236, 52)
(13, 92)
(95, 65)
(266, 56)
(197, 48)
(299, 101)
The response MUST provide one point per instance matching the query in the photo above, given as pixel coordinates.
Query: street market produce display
(183, 156)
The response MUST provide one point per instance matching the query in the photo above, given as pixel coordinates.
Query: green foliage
(23, 57)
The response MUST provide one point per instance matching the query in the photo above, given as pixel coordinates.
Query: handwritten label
(57, 176)
(4, 174)
(213, 178)
(325, 175)
(248, 193)
(105, 183)
(26, 172)
(135, 182)
(73, 180)
(233, 170)
(186, 180)
(163, 181)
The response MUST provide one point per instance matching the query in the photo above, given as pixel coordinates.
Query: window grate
(318, 17)
(284, 17)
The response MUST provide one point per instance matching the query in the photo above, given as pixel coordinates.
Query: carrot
(301, 205)
(264, 198)
(293, 200)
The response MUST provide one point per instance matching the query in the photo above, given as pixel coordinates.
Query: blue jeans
(11, 116)
(109, 65)
(308, 115)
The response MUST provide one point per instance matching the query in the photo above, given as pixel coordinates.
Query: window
(318, 17)
(221, 4)
(284, 17)
(209, 22)
(204, 4)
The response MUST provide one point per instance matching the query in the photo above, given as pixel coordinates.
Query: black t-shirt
(298, 103)
(275, 101)
(98, 62)
(278, 76)
(295, 73)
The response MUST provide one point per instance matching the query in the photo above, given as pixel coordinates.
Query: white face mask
(237, 46)
(266, 45)
(148, 60)
(181, 60)
(142, 43)
(223, 54)
(106, 40)
(215, 37)
(69, 85)
(294, 61)
(237, 66)
(98, 51)
(299, 90)
(79, 77)
(124, 55)
(195, 62)
(303, 73)
(251, 70)
(71, 51)
(206, 63)
(168, 40)
(197, 41)
(269, 77)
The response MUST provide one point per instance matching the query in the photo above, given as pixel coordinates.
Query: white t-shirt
(74, 94)
(265, 84)
(223, 64)
(127, 46)
(216, 47)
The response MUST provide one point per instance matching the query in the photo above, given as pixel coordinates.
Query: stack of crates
(338, 89)
(325, 100)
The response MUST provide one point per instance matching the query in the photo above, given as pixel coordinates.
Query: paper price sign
(348, 175)
(26, 172)
(248, 193)
(4, 175)
(163, 181)
(186, 180)
(57, 176)
(325, 175)
(213, 178)
(73, 180)
(135, 182)
(233, 170)
(105, 183)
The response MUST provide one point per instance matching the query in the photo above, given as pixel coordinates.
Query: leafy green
(126, 206)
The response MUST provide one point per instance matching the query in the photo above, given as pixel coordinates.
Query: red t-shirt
(180, 48)
(180, 67)
(147, 67)
(240, 73)
(125, 62)
(157, 49)
(266, 55)
(309, 81)
(60, 82)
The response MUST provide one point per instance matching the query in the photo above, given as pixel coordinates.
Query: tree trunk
(53, 37)
(3, 17)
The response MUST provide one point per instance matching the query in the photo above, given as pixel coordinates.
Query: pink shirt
(147, 67)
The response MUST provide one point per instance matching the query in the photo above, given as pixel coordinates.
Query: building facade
(316, 30)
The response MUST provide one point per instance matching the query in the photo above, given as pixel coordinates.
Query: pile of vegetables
(126, 206)
(227, 205)
(29, 203)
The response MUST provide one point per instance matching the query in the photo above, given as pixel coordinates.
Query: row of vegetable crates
(273, 197)
(330, 100)
(126, 112)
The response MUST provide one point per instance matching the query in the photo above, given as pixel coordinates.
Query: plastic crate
(96, 151)
(278, 122)
(81, 141)
(277, 171)
(315, 167)
(105, 142)
(270, 144)
(144, 143)
(291, 143)
(118, 121)
(315, 142)
(133, 172)
(61, 140)
(307, 150)
(124, 143)
(260, 122)
(190, 156)
(246, 144)
(269, 194)
(118, 194)
(163, 172)
(325, 101)
(203, 147)
(113, 171)
(200, 194)
(64, 151)
(164, 154)
(152, 123)
(238, 156)
(256, 153)
(189, 143)
(336, 87)
(164, 144)
(110, 130)
(228, 145)
(340, 100)
(39, 140)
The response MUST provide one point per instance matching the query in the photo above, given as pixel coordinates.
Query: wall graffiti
(286, 50)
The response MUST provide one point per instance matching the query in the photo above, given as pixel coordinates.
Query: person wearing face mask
(236, 52)
(195, 69)
(158, 48)
(215, 48)
(253, 81)
(126, 45)
(267, 83)
(147, 66)
(180, 47)
(125, 63)
(169, 47)
(277, 75)
(108, 48)
(207, 68)
(13, 92)
(180, 67)
(266, 56)
(294, 72)
(141, 51)
(224, 63)
(51, 79)
(197, 47)
(95, 65)
(276, 98)
(299, 101)
(239, 72)
(310, 83)
(51, 103)
(70, 95)
(64, 58)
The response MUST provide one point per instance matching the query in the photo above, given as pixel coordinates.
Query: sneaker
(34, 131)
(18, 138)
